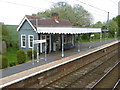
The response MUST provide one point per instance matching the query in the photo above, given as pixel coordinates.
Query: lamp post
(101, 37)
(92, 35)
(116, 35)
(37, 53)
(33, 54)
(79, 39)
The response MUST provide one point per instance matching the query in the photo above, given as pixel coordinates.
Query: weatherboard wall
(26, 29)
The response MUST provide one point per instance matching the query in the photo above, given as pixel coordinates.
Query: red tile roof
(48, 22)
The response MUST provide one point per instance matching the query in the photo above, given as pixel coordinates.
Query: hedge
(3, 62)
(21, 56)
(29, 54)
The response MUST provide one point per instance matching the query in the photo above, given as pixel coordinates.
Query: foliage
(12, 64)
(4, 62)
(5, 34)
(12, 30)
(113, 27)
(10, 35)
(77, 15)
(29, 54)
(21, 56)
(98, 24)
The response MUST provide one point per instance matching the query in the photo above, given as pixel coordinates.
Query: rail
(116, 85)
(104, 76)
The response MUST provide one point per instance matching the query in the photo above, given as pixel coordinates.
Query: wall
(27, 30)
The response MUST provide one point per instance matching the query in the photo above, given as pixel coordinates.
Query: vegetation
(4, 62)
(21, 56)
(77, 15)
(29, 54)
(11, 54)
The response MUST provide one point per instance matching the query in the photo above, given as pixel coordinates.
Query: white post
(45, 48)
(33, 54)
(116, 35)
(78, 43)
(41, 43)
(101, 37)
(90, 42)
(62, 45)
(37, 53)
(72, 39)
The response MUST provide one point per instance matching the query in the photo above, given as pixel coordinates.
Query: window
(23, 41)
(30, 38)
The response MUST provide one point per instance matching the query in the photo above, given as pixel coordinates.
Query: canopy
(67, 30)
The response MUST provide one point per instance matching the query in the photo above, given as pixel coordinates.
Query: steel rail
(103, 76)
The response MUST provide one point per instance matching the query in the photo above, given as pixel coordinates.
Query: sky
(13, 11)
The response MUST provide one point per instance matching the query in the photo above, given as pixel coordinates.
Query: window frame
(30, 41)
(22, 40)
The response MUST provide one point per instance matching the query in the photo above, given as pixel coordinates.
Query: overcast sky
(12, 11)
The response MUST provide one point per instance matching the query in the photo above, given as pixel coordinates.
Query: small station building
(58, 33)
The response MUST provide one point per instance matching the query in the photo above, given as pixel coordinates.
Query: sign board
(39, 41)
(92, 35)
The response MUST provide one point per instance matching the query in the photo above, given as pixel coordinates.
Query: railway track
(117, 85)
(109, 79)
(78, 78)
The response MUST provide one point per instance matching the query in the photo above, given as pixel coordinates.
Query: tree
(113, 27)
(77, 15)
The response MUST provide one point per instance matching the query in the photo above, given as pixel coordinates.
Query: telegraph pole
(107, 25)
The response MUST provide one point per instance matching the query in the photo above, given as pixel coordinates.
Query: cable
(94, 7)
(115, 3)
(21, 4)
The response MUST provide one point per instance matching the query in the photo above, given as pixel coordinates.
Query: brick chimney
(54, 16)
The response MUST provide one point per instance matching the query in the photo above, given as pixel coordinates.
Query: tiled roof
(48, 22)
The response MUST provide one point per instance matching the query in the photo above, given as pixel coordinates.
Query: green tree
(113, 27)
(77, 15)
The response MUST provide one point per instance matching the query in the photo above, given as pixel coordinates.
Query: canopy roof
(67, 30)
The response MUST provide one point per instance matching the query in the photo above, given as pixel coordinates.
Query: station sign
(39, 41)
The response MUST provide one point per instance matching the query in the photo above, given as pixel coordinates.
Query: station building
(58, 33)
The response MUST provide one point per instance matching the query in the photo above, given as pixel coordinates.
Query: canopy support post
(62, 45)
(45, 49)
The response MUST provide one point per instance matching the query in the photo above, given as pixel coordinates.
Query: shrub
(12, 64)
(3, 62)
(29, 54)
(21, 56)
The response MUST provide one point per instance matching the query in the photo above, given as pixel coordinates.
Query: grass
(11, 55)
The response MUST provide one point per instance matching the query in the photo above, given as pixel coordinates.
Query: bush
(3, 62)
(12, 64)
(29, 54)
(21, 56)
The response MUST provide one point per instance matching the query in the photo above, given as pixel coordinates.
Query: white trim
(29, 41)
(22, 41)
(67, 30)
(25, 18)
